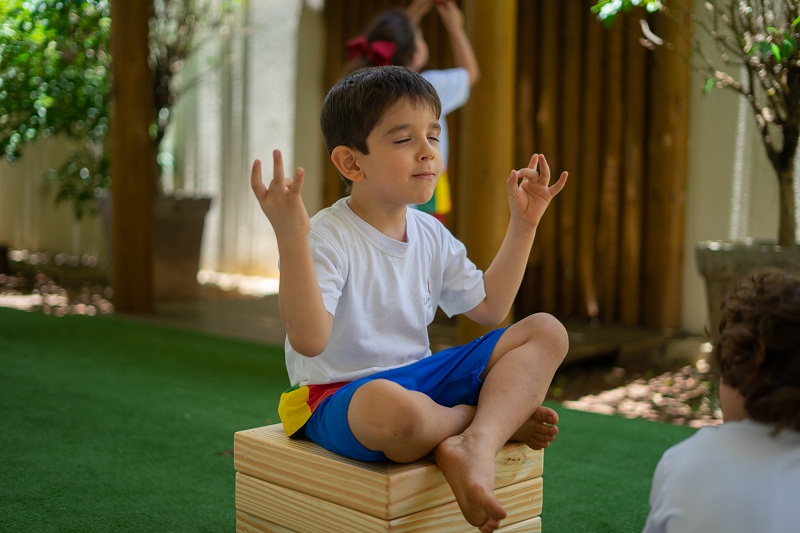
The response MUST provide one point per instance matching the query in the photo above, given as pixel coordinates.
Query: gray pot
(723, 263)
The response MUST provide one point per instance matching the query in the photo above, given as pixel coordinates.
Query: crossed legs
(407, 425)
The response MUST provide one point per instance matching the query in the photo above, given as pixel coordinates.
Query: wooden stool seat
(292, 485)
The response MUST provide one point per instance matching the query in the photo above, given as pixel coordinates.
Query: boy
(745, 474)
(362, 280)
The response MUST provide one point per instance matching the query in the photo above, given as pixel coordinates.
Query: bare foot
(539, 430)
(469, 469)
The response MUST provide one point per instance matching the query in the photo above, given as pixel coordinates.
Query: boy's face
(404, 162)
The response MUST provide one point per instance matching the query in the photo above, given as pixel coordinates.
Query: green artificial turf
(597, 474)
(114, 425)
(110, 425)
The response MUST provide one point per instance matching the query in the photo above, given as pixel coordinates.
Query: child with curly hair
(745, 474)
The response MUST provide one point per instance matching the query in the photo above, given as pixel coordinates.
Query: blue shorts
(450, 377)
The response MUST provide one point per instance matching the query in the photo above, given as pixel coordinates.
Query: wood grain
(303, 513)
(384, 490)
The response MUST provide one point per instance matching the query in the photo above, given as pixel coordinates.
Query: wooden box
(288, 485)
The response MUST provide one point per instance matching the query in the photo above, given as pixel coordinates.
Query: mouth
(425, 175)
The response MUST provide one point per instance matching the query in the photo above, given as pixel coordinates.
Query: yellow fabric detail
(442, 195)
(293, 409)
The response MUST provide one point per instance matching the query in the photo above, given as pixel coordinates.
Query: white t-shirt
(731, 478)
(382, 293)
(452, 86)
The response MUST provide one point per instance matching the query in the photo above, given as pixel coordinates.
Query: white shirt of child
(733, 478)
(382, 293)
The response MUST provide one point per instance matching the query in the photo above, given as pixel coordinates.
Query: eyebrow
(401, 127)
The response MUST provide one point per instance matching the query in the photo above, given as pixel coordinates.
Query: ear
(346, 161)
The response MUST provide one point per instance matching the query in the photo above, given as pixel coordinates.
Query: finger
(256, 183)
(557, 186)
(534, 162)
(278, 176)
(297, 183)
(545, 171)
(513, 182)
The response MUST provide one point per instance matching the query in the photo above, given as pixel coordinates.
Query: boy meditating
(361, 281)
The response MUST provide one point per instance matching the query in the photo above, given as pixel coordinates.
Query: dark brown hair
(758, 346)
(355, 105)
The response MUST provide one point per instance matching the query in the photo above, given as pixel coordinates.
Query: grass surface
(113, 425)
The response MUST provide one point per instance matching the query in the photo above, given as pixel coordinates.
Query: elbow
(308, 348)
(307, 345)
(474, 76)
(486, 316)
(493, 321)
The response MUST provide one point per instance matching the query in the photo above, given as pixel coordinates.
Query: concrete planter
(178, 227)
(722, 264)
(177, 238)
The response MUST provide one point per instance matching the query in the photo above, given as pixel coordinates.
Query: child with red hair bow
(395, 38)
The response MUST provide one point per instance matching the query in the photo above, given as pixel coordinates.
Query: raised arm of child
(529, 194)
(453, 22)
(307, 322)
(463, 54)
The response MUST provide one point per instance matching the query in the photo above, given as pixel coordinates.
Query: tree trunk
(787, 224)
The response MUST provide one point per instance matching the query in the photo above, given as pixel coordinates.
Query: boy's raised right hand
(281, 202)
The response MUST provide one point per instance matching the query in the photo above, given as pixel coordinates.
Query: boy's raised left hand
(530, 192)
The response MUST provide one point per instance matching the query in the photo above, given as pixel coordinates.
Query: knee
(385, 406)
(547, 332)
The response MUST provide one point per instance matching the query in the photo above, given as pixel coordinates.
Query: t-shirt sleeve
(452, 86)
(330, 267)
(462, 283)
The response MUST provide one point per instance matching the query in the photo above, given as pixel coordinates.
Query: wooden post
(668, 163)
(486, 138)
(132, 169)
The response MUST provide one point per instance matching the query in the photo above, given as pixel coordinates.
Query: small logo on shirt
(427, 301)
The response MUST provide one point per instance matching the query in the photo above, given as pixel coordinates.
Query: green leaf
(776, 51)
(788, 47)
(709, 85)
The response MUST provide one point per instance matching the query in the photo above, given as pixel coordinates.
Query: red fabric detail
(378, 53)
(317, 393)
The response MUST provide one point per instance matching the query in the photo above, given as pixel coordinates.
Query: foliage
(758, 49)
(55, 78)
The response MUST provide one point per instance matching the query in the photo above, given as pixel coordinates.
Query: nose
(428, 150)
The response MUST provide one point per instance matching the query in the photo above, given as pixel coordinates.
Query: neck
(391, 221)
(732, 403)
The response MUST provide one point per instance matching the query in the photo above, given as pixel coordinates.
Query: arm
(307, 322)
(463, 54)
(418, 9)
(528, 201)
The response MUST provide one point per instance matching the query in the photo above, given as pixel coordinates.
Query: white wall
(29, 218)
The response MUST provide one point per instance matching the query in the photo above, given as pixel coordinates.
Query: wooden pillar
(132, 169)
(668, 162)
(486, 138)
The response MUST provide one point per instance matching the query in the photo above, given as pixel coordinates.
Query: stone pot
(723, 263)
(177, 238)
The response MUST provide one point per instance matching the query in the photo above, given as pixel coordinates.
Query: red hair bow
(378, 53)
